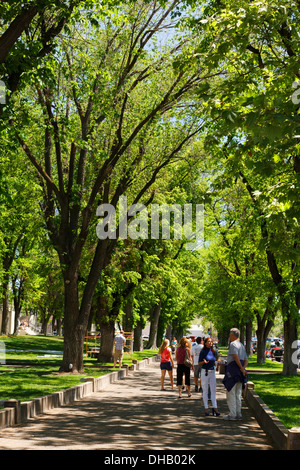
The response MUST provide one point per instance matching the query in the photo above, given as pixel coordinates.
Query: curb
(16, 412)
(283, 438)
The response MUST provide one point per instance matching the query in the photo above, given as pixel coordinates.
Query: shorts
(197, 371)
(118, 354)
(166, 365)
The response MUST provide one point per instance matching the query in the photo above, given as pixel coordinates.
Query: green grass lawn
(281, 394)
(31, 366)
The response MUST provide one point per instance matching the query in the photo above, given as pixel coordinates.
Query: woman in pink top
(166, 363)
(182, 370)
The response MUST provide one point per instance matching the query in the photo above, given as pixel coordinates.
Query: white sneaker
(229, 418)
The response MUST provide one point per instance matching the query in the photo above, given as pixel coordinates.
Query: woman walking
(182, 351)
(166, 363)
(207, 359)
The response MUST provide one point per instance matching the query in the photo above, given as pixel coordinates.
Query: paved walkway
(133, 414)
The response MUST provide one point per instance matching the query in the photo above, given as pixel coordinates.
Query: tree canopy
(161, 102)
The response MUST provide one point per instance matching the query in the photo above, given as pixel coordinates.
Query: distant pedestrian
(182, 352)
(235, 375)
(207, 361)
(166, 363)
(119, 342)
(195, 351)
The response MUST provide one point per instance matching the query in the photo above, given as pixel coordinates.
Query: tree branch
(15, 29)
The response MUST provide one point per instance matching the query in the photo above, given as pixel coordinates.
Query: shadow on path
(133, 414)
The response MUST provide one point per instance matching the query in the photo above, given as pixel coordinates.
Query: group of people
(202, 359)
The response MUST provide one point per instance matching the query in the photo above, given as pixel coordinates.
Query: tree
(235, 262)
(256, 44)
(20, 227)
(105, 102)
(28, 31)
(151, 280)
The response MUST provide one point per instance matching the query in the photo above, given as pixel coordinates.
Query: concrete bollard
(7, 417)
(89, 379)
(293, 441)
(16, 404)
(122, 374)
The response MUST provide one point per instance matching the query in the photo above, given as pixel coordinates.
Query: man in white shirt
(195, 351)
(238, 354)
(119, 341)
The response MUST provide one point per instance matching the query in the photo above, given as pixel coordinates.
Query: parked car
(277, 353)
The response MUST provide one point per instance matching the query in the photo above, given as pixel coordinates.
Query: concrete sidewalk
(134, 414)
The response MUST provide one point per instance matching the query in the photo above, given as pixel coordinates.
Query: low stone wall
(283, 438)
(16, 412)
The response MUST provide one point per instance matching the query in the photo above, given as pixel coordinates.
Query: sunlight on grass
(31, 368)
(281, 394)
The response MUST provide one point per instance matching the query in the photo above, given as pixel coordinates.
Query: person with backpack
(207, 361)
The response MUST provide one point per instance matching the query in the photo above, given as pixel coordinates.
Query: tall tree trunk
(223, 336)
(264, 325)
(91, 318)
(74, 329)
(138, 337)
(59, 327)
(18, 297)
(249, 338)
(107, 341)
(45, 322)
(169, 332)
(127, 320)
(290, 336)
(242, 333)
(107, 329)
(17, 318)
(76, 316)
(73, 350)
(5, 310)
(155, 313)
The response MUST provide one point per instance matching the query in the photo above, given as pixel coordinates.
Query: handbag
(187, 361)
